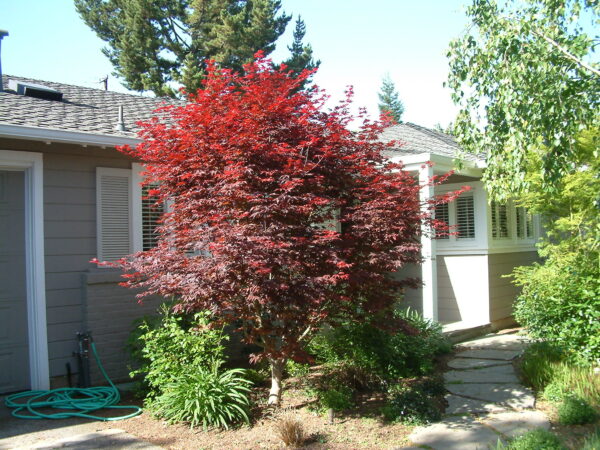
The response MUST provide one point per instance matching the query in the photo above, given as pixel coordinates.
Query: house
(463, 274)
(68, 196)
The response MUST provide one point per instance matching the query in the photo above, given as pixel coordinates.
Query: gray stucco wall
(70, 237)
(502, 291)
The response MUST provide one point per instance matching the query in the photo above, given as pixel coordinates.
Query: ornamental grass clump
(290, 430)
(206, 396)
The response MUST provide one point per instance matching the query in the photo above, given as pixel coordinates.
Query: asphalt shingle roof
(415, 139)
(81, 110)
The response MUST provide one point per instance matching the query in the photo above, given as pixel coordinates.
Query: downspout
(2, 34)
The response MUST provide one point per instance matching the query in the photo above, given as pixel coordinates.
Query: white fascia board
(442, 164)
(69, 137)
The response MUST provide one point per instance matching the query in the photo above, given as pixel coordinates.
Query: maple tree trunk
(277, 366)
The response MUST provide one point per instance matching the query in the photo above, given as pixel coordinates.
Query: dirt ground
(362, 428)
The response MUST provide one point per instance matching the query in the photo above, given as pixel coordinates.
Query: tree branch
(568, 54)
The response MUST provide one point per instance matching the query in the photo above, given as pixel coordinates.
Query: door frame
(32, 165)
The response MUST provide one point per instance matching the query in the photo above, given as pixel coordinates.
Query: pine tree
(153, 43)
(389, 101)
(301, 54)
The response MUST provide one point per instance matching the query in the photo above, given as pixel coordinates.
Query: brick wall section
(109, 310)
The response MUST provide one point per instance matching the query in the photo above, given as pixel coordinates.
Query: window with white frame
(465, 217)
(500, 221)
(126, 218)
(442, 213)
(151, 214)
(524, 223)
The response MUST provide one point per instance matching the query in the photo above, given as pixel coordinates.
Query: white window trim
(512, 243)
(464, 245)
(32, 165)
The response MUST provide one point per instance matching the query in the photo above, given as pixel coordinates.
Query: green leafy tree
(389, 101)
(301, 54)
(152, 43)
(560, 299)
(525, 79)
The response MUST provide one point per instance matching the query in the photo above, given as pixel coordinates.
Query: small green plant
(538, 439)
(290, 431)
(410, 405)
(337, 399)
(592, 442)
(295, 369)
(169, 345)
(554, 392)
(206, 397)
(256, 376)
(538, 364)
(576, 411)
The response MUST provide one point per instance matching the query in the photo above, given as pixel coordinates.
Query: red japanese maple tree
(254, 169)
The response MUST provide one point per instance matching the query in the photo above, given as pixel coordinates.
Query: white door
(14, 342)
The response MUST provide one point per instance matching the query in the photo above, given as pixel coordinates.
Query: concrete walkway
(486, 402)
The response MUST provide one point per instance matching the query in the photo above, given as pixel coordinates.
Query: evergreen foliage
(301, 54)
(389, 103)
(153, 43)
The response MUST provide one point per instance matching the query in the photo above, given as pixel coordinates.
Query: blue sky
(358, 42)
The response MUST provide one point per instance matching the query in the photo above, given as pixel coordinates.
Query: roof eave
(442, 163)
(49, 135)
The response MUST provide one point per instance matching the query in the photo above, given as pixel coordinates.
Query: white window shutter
(442, 214)
(113, 206)
(465, 217)
(500, 225)
(151, 214)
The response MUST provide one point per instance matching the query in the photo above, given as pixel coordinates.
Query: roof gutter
(50, 135)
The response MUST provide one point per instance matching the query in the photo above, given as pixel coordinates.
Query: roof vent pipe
(120, 122)
(2, 34)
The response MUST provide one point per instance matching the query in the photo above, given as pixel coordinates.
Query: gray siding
(110, 310)
(413, 298)
(502, 291)
(448, 310)
(70, 241)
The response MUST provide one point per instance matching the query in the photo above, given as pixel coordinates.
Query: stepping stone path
(486, 402)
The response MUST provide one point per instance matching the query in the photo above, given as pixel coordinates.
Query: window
(126, 221)
(500, 227)
(442, 214)
(465, 217)
(524, 223)
(151, 214)
(114, 213)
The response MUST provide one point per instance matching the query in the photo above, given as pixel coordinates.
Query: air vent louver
(34, 90)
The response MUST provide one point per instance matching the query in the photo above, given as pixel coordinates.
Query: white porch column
(428, 251)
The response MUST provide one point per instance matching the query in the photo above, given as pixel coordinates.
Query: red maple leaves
(281, 218)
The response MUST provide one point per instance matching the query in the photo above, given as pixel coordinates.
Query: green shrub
(539, 364)
(205, 397)
(411, 405)
(575, 411)
(367, 349)
(592, 442)
(170, 345)
(538, 439)
(560, 301)
(295, 369)
(337, 399)
(550, 370)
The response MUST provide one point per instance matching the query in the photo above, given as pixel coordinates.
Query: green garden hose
(72, 402)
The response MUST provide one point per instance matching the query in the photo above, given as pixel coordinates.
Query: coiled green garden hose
(72, 402)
